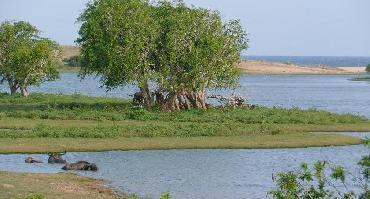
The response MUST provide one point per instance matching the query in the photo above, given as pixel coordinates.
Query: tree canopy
(25, 57)
(173, 52)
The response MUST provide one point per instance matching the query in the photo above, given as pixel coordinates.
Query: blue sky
(276, 27)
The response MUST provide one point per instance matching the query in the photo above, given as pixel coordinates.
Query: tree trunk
(146, 95)
(171, 102)
(201, 95)
(13, 88)
(24, 91)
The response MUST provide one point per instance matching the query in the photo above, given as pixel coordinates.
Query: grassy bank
(58, 186)
(289, 140)
(361, 79)
(110, 123)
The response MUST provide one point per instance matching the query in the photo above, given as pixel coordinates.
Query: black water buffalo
(81, 165)
(30, 160)
(138, 98)
(56, 158)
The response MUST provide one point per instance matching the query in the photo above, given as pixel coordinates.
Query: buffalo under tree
(172, 52)
(25, 57)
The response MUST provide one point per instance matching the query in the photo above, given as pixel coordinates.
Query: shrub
(317, 183)
(165, 196)
(368, 68)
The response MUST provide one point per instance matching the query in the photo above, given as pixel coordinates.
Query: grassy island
(49, 122)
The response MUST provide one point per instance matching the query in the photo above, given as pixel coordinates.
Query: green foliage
(26, 58)
(35, 196)
(165, 196)
(316, 183)
(183, 50)
(74, 61)
(368, 68)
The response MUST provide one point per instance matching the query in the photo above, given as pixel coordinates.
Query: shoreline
(83, 145)
(275, 68)
(68, 185)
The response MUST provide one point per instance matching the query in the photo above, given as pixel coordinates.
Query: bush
(317, 183)
(165, 196)
(368, 68)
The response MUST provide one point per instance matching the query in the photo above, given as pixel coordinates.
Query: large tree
(25, 58)
(195, 51)
(181, 50)
(117, 39)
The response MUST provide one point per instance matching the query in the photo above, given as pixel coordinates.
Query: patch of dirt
(68, 187)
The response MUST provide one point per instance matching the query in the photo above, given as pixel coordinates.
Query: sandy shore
(263, 67)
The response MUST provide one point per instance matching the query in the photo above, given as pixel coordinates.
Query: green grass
(361, 79)
(261, 141)
(58, 186)
(80, 117)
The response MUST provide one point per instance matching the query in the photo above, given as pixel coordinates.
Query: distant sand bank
(263, 67)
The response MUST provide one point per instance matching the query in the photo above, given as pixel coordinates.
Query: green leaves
(26, 58)
(182, 50)
(316, 183)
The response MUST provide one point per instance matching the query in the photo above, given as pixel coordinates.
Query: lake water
(195, 174)
(216, 173)
(334, 93)
(334, 61)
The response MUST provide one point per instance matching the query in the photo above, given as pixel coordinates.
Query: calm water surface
(195, 174)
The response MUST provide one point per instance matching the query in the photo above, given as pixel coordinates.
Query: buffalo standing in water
(81, 165)
(56, 158)
(30, 160)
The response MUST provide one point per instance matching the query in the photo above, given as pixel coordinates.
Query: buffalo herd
(56, 158)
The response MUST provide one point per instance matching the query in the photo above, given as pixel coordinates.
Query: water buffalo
(30, 160)
(56, 158)
(80, 165)
(138, 98)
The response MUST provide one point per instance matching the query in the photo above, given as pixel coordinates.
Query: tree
(25, 58)
(368, 68)
(117, 39)
(195, 51)
(183, 51)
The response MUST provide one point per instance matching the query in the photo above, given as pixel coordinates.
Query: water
(195, 174)
(334, 61)
(334, 93)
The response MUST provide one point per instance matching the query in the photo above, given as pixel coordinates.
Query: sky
(275, 27)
